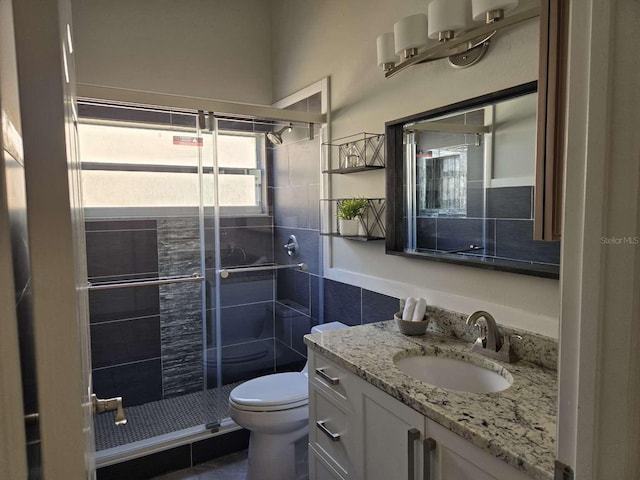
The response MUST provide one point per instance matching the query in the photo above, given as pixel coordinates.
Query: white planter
(348, 228)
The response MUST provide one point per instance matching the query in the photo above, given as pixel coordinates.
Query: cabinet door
(458, 459)
(392, 436)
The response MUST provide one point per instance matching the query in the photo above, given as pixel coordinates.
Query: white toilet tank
(324, 327)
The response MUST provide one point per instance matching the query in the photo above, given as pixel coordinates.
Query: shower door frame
(213, 107)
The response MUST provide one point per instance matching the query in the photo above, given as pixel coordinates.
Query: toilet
(275, 409)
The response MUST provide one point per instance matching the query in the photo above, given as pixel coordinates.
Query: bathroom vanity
(369, 420)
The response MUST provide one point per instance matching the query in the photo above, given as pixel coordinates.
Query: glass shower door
(142, 171)
(239, 237)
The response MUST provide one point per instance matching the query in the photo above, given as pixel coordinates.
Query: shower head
(276, 137)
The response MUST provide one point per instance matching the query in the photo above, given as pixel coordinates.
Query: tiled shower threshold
(157, 426)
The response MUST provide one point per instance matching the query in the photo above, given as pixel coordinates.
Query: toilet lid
(272, 392)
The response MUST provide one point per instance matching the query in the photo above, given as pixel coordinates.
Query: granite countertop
(516, 425)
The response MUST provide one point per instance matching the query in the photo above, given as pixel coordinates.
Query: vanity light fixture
(451, 23)
(386, 53)
(410, 34)
(446, 17)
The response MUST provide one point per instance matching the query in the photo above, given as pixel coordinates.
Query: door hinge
(562, 471)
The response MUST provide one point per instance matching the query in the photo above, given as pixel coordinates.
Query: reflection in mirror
(468, 185)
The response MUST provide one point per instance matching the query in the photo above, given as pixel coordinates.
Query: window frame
(259, 173)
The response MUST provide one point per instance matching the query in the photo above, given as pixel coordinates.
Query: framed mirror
(461, 185)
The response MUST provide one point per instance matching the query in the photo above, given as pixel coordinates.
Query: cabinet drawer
(320, 469)
(329, 376)
(330, 431)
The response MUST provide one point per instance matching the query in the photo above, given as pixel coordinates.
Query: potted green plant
(350, 212)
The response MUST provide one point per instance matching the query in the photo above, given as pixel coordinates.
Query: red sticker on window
(192, 141)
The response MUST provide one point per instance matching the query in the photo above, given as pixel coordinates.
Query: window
(137, 165)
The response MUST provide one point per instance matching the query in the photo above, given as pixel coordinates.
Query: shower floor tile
(160, 417)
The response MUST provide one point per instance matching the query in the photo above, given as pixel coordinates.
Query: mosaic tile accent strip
(180, 307)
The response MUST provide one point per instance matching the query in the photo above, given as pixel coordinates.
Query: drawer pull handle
(429, 445)
(322, 374)
(413, 434)
(335, 437)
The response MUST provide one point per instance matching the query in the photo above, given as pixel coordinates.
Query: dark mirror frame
(395, 174)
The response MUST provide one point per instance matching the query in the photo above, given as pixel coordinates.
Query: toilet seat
(279, 391)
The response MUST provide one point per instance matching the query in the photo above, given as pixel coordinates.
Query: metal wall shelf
(343, 171)
(354, 153)
(371, 224)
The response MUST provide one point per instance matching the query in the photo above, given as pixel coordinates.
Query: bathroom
(257, 52)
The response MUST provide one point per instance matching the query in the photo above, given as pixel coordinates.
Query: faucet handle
(506, 352)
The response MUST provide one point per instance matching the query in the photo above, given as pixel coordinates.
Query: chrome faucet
(490, 341)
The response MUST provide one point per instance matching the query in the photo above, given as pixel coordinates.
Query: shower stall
(191, 289)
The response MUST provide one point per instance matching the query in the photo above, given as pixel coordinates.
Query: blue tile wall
(377, 307)
(241, 361)
(309, 251)
(296, 198)
(461, 233)
(121, 252)
(342, 303)
(426, 233)
(510, 202)
(294, 290)
(125, 326)
(125, 341)
(246, 323)
(514, 239)
(136, 383)
(133, 302)
(506, 233)
(353, 305)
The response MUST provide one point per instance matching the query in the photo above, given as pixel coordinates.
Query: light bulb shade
(410, 32)
(386, 53)
(447, 15)
(480, 8)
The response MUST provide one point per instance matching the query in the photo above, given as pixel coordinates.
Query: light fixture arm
(463, 42)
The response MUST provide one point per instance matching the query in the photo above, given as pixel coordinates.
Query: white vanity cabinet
(333, 439)
(356, 431)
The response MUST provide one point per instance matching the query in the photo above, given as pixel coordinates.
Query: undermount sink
(453, 374)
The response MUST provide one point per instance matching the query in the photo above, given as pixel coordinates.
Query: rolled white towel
(409, 306)
(418, 311)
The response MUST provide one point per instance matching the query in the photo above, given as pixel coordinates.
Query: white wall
(514, 138)
(202, 48)
(334, 38)
(9, 73)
